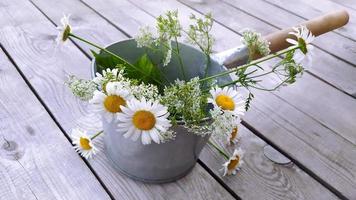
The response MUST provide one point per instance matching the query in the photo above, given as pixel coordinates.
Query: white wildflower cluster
(199, 33)
(167, 54)
(143, 90)
(138, 90)
(185, 100)
(168, 29)
(255, 43)
(168, 136)
(145, 37)
(83, 89)
(198, 129)
(168, 26)
(109, 75)
(224, 122)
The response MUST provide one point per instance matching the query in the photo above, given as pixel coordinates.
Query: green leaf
(144, 70)
(104, 61)
(148, 71)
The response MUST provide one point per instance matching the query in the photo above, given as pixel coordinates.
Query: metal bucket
(158, 163)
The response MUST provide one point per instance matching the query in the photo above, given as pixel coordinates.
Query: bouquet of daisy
(159, 98)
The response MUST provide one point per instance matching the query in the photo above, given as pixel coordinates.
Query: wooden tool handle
(317, 26)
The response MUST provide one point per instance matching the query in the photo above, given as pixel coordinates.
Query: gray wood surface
(322, 143)
(291, 176)
(36, 160)
(346, 3)
(30, 43)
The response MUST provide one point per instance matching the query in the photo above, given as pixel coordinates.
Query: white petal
(145, 138)
(155, 136)
(130, 132)
(136, 135)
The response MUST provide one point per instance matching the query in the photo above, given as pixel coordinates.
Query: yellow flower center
(66, 32)
(144, 120)
(233, 163)
(233, 134)
(84, 143)
(112, 103)
(225, 102)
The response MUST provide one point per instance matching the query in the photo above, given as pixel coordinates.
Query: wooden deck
(312, 122)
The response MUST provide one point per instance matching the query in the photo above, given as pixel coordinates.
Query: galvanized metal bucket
(158, 163)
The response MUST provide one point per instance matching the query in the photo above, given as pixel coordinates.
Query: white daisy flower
(234, 163)
(109, 103)
(303, 40)
(83, 143)
(144, 118)
(232, 138)
(227, 99)
(64, 29)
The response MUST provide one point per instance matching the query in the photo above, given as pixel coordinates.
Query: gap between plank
(218, 179)
(52, 117)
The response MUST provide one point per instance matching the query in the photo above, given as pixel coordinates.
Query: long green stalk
(249, 64)
(222, 152)
(96, 135)
(180, 59)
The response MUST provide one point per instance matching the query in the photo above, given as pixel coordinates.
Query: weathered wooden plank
(346, 3)
(316, 89)
(30, 43)
(272, 180)
(310, 9)
(326, 155)
(36, 160)
(148, 5)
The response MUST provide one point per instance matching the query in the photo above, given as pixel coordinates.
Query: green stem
(96, 135)
(261, 74)
(110, 53)
(222, 152)
(272, 89)
(207, 65)
(249, 64)
(180, 59)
